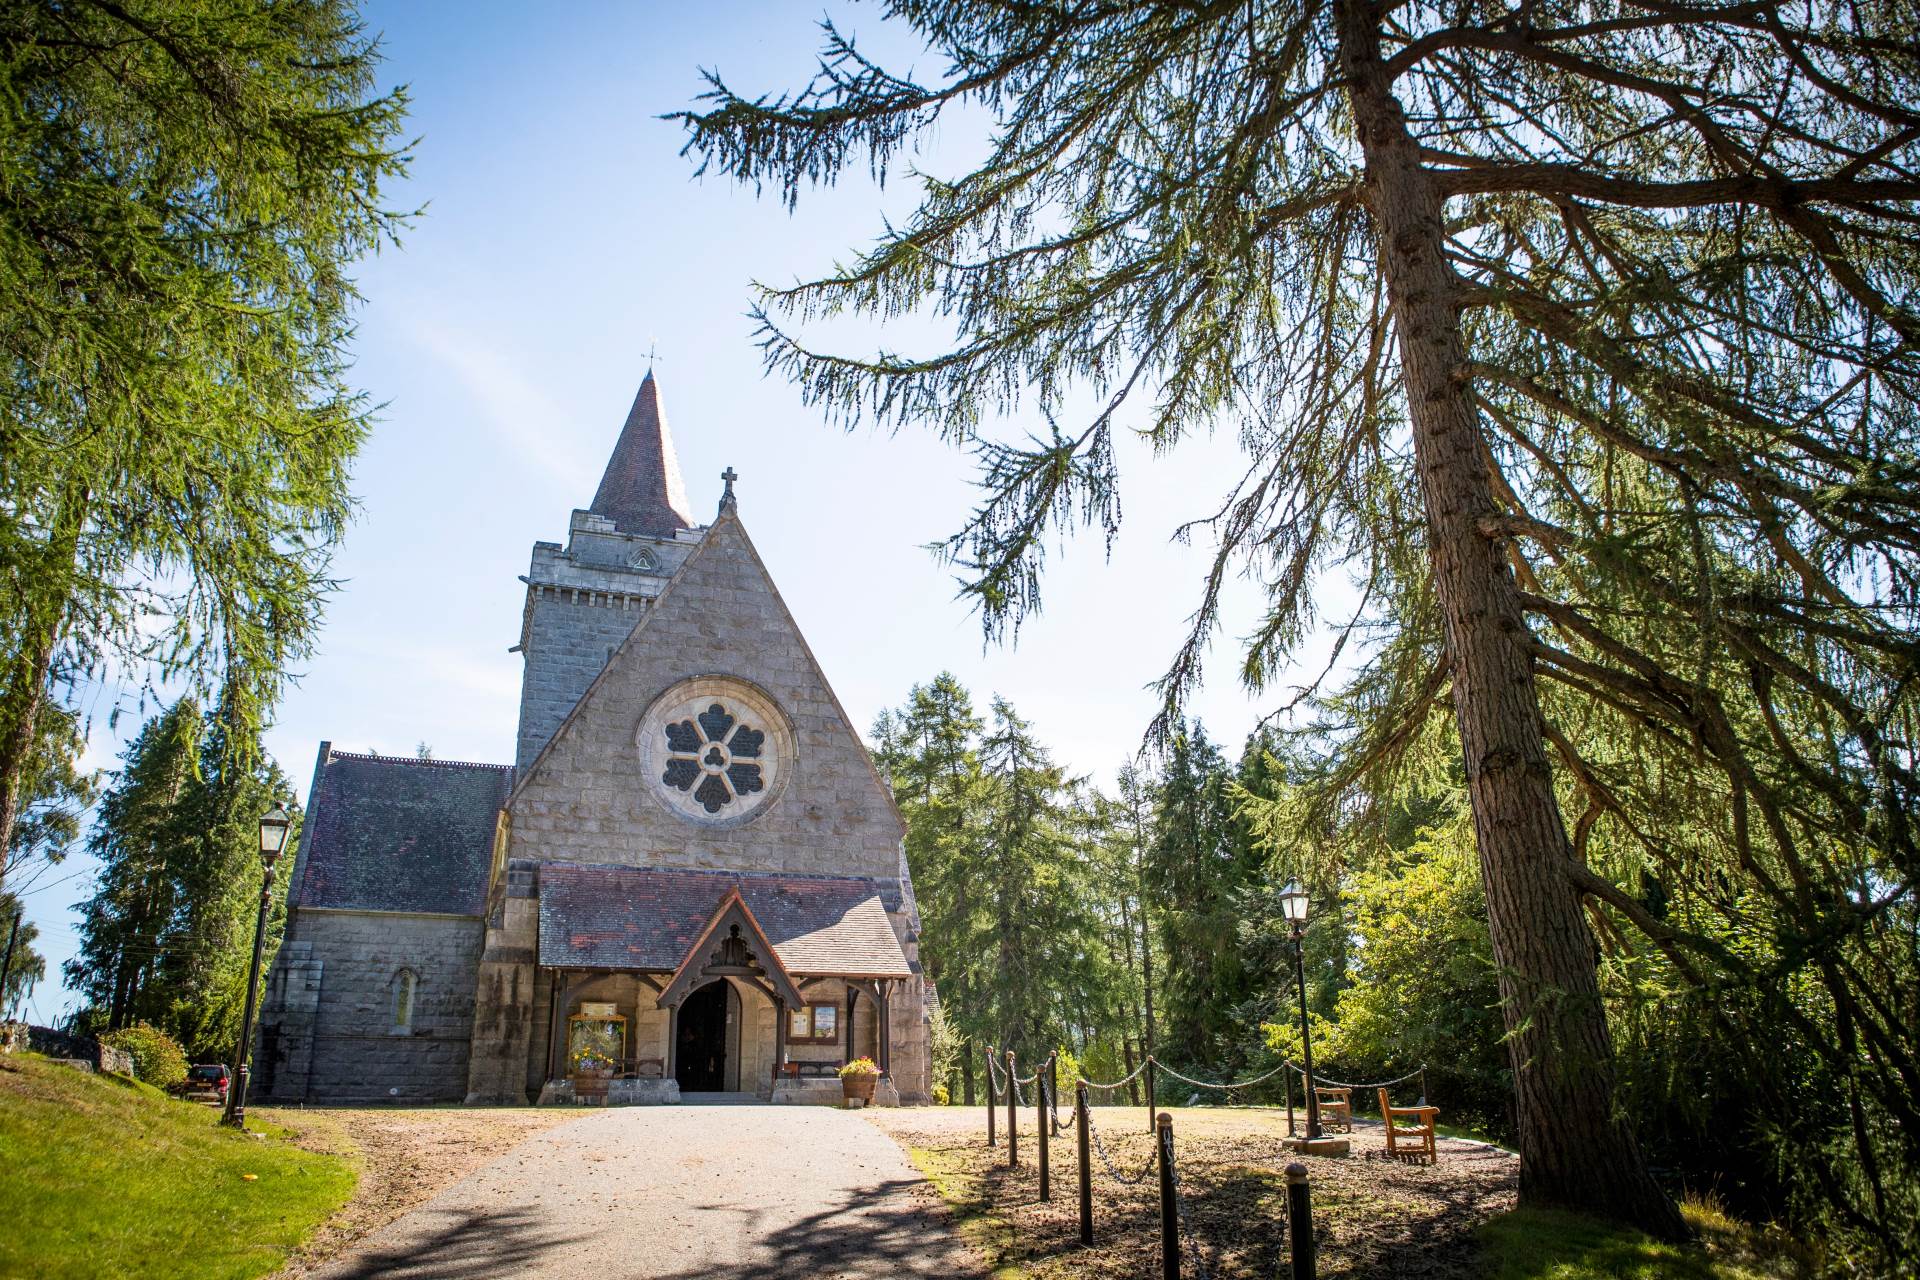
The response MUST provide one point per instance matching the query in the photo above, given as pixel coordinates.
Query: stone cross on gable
(728, 502)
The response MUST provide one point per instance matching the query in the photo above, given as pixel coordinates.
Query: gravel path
(747, 1191)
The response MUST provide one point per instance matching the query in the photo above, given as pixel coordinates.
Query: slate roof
(601, 917)
(393, 833)
(641, 491)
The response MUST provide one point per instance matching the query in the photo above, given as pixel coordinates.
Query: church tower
(584, 599)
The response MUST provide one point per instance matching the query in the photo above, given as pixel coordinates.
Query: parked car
(206, 1082)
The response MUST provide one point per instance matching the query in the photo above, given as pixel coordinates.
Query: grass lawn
(1538, 1244)
(101, 1176)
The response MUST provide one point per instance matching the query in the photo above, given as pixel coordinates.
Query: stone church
(691, 880)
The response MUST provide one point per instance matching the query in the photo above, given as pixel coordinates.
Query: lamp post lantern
(1293, 906)
(273, 838)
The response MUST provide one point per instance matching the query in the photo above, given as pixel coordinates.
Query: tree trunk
(1575, 1151)
(966, 1074)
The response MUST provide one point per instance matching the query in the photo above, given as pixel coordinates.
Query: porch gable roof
(650, 918)
(733, 908)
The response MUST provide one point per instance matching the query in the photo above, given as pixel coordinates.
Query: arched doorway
(701, 1054)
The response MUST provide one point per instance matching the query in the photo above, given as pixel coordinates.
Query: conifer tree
(135, 837)
(1035, 927)
(186, 186)
(29, 966)
(1582, 333)
(1196, 874)
(168, 936)
(929, 750)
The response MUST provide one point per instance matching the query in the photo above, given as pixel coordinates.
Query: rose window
(714, 757)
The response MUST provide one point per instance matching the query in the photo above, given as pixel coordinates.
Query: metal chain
(1095, 1084)
(1319, 1079)
(1112, 1169)
(1229, 1087)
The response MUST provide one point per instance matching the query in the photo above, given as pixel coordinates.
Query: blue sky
(564, 237)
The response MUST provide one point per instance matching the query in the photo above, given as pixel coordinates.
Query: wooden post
(1169, 1210)
(1153, 1109)
(990, 1098)
(1423, 1086)
(1288, 1077)
(1045, 1126)
(1053, 1091)
(1083, 1121)
(1300, 1245)
(1013, 1115)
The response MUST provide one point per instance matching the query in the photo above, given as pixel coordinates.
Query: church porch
(606, 1038)
(611, 1021)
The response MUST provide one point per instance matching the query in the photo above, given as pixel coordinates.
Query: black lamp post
(1293, 906)
(273, 838)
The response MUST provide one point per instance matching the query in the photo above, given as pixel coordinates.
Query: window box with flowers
(858, 1078)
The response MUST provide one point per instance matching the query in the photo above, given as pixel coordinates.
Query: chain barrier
(1320, 1080)
(1123, 1080)
(1286, 1064)
(1186, 1225)
(1226, 1088)
(1113, 1170)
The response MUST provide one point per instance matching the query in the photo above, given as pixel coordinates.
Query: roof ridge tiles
(718, 871)
(430, 762)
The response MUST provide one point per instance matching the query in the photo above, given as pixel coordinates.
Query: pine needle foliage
(184, 187)
(1581, 335)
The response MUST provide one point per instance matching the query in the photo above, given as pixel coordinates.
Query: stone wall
(569, 636)
(590, 799)
(332, 1027)
(581, 603)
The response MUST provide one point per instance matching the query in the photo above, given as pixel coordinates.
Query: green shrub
(1424, 985)
(158, 1059)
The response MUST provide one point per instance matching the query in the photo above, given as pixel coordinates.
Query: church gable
(711, 739)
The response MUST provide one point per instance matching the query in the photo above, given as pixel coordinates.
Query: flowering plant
(592, 1060)
(860, 1067)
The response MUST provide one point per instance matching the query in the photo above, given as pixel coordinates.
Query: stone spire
(641, 491)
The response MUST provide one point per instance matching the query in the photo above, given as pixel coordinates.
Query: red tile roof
(606, 917)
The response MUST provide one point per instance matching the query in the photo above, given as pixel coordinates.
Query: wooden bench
(1409, 1141)
(1336, 1108)
(806, 1070)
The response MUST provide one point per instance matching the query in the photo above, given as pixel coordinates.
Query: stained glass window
(715, 757)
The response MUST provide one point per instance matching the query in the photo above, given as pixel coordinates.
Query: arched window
(403, 985)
